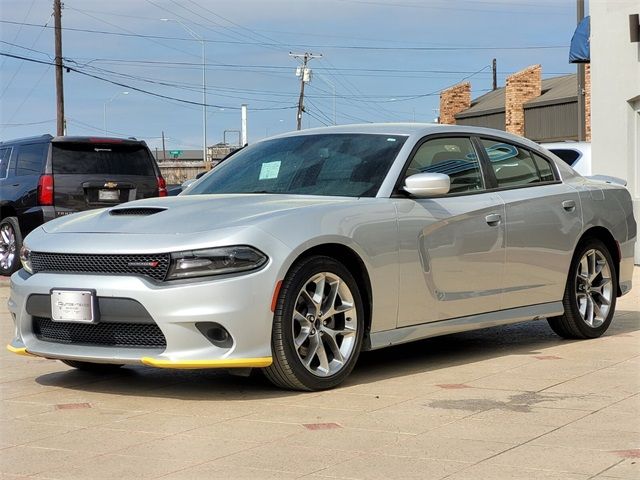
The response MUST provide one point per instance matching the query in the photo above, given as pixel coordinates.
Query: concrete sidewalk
(503, 403)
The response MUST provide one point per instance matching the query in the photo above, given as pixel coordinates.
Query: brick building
(542, 110)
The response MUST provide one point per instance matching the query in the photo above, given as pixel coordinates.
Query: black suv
(45, 177)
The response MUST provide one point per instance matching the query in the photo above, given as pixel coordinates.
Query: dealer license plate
(109, 195)
(72, 306)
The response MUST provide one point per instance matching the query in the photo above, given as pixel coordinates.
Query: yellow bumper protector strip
(19, 351)
(222, 363)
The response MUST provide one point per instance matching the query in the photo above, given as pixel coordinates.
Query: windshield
(352, 165)
(109, 159)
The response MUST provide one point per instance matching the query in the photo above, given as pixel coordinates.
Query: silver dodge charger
(302, 250)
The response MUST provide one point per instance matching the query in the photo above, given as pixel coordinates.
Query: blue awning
(579, 52)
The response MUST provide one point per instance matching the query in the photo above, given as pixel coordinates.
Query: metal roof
(491, 102)
(555, 90)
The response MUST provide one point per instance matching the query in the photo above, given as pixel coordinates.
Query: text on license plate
(72, 306)
(109, 195)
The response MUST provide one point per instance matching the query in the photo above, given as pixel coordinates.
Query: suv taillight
(45, 190)
(162, 187)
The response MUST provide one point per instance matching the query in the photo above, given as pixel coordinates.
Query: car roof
(409, 129)
(43, 138)
(570, 145)
(72, 139)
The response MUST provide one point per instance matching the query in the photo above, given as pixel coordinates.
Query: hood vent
(136, 211)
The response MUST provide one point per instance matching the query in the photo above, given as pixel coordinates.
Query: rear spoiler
(608, 179)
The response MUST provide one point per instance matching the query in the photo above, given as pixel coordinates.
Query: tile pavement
(504, 403)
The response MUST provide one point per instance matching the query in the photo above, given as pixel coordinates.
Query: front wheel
(590, 295)
(318, 326)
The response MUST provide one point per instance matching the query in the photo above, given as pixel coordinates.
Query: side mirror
(427, 184)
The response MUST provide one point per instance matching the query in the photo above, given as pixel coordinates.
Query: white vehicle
(575, 154)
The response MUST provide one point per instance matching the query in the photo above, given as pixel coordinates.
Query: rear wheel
(590, 294)
(10, 245)
(92, 367)
(317, 327)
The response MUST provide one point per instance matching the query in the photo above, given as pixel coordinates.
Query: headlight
(215, 261)
(25, 258)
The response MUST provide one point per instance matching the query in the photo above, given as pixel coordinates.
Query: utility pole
(581, 80)
(57, 18)
(494, 71)
(305, 77)
(164, 150)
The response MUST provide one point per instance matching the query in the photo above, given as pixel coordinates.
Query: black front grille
(137, 335)
(154, 266)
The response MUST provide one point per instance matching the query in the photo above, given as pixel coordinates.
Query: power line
(317, 46)
(137, 89)
(9, 125)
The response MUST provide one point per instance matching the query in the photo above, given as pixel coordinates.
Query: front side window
(455, 157)
(513, 166)
(349, 164)
(5, 157)
(30, 159)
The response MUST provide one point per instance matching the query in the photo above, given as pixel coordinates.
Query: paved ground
(509, 403)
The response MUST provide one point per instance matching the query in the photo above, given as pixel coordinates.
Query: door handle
(493, 219)
(569, 205)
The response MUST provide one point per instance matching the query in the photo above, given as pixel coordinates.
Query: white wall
(615, 95)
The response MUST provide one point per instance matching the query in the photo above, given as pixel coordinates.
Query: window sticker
(269, 170)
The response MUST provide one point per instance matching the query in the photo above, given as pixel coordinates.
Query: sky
(381, 61)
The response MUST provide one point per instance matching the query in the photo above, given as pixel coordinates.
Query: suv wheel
(10, 245)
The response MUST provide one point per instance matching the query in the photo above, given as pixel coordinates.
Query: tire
(92, 367)
(329, 342)
(10, 245)
(592, 283)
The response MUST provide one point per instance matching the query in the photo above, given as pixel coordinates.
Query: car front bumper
(241, 304)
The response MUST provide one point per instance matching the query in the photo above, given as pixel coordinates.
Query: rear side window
(5, 158)
(570, 157)
(544, 168)
(30, 159)
(94, 159)
(513, 166)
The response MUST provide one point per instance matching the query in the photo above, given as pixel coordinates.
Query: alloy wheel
(7, 246)
(325, 324)
(594, 289)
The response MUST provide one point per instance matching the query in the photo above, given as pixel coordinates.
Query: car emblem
(151, 264)
(110, 184)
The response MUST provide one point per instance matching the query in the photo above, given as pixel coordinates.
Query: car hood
(187, 214)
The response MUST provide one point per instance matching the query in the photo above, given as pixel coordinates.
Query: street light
(204, 83)
(105, 108)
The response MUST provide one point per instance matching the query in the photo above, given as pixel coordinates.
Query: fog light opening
(216, 334)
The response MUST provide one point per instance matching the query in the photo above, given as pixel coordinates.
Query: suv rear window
(83, 158)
